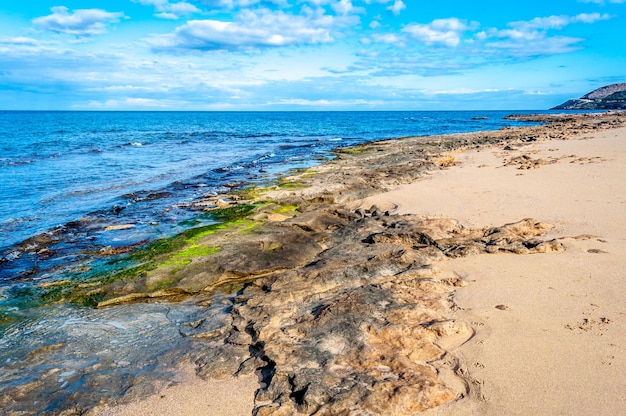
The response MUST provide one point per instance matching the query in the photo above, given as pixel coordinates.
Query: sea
(57, 166)
(65, 176)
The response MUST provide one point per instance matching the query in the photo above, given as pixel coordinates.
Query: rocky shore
(340, 310)
(346, 311)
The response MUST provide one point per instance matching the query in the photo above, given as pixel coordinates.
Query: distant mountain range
(610, 97)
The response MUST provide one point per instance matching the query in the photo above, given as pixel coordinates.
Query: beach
(474, 273)
(556, 344)
(530, 328)
(312, 207)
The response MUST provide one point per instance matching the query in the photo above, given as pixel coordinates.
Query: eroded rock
(361, 327)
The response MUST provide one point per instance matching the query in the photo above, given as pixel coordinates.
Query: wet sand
(549, 329)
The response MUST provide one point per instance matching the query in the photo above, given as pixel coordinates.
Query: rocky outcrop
(364, 327)
(610, 97)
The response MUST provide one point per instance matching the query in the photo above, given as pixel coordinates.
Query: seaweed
(89, 287)
(359, 149)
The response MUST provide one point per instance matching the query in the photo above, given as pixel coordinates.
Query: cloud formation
(247, 54)
(440, 31)
(532, 38)
(168, 10)
(397, 7)
(252, 29)
(83, 22)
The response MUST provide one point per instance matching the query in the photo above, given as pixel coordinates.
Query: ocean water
(56, 167)
(65, 176)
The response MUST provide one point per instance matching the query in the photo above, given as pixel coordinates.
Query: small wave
(18, 221)
(293, 146)
(266, 156)
(336, 139)
(229, 168)
(137, 144)
(9, 162)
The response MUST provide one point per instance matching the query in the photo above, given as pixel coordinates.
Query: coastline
(384, 277)
(496, 363)
(49, 263)
(549, 329)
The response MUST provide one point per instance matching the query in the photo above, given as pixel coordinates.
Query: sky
(265, 55)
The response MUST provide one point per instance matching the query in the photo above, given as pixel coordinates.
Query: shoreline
(97, 239)
(357, 302)
(466, 381)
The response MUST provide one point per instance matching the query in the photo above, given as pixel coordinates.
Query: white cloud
(84, 22)
(441, 31)
(19, 40)
(125, 88)
(404, 52)
(531, 38)
(590, 17)
(551, 22)
(557, 22)
(167, 10)
(397, 7)
(343, 6)
(388, 38)
(251, 29)
(540, 46)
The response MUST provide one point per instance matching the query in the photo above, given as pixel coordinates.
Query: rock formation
(610, 97)
(363, 327)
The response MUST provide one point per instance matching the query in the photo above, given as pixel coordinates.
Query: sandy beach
(539, 332)
(558, 345)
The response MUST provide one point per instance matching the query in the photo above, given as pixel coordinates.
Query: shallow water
(63, 357)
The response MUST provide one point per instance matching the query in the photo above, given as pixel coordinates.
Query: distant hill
(610, 97)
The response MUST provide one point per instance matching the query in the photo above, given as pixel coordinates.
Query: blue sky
(306, 54)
